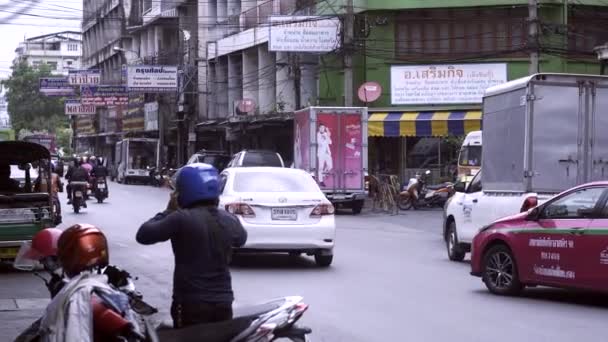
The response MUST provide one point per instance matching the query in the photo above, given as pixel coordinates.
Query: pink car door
(593, 254)
(550, 246)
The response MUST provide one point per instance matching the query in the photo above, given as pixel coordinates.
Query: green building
(434, 58)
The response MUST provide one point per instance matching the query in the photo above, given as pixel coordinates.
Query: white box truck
(542, 134)
(133, 158)
(331, 144)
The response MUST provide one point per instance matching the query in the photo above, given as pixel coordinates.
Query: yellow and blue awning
(423, 124)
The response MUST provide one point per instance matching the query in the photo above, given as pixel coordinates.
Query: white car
(282, 209)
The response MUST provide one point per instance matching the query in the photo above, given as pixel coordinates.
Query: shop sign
(55, 86)
(84, 77)
(444, 83)
(152, 78)
(74, 107)
(104, 95)
(304, 34)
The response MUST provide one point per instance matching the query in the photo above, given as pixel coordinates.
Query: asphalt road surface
(390, 281)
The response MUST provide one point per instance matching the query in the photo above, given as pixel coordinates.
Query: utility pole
(533, 40)
(348, 47)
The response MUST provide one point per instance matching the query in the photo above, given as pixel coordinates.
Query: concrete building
(241, 70)
(61, 51)
(433, 59)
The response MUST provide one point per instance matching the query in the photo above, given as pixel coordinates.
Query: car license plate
(284, 214)
(78, 193)
(101, 186)
(8, 252)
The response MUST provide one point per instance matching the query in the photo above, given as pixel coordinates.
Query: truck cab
(469, 158)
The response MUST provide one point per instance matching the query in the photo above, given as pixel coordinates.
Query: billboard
(104, 95)
(55, 86)
(75, 107)
(327, 149)
(152, 78)
(445, 83)
(84, 77)
(304, 34)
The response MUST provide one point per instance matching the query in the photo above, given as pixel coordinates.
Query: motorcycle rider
(99, 171)
(202, 238)
(78, 174)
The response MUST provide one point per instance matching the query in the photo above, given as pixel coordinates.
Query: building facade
(433, 59)
(61, 51)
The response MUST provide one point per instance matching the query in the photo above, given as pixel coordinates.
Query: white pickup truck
(542, 134)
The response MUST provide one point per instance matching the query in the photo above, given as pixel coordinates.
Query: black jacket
(99, 171)
(79, 174)
(201, 271)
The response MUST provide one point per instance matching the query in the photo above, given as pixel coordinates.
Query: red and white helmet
(44, 244)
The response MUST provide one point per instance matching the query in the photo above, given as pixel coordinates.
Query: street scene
(299, 170)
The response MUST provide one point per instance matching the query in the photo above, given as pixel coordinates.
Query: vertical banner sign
(352, 160)
(152, 78)
(327, 149)
(55, 86)
(84, 77)
(74, 107)
(301, 152)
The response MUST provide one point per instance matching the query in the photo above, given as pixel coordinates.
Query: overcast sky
(30, 18)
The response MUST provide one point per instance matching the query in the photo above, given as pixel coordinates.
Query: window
(72, 47)
(69, 62)
(586, 29)
(223, 180)
(475, 185)
(36, 63)
(465, 32)
(274, 182)
(470, 156)
(578, 204)
(261, 159)
(52, 65)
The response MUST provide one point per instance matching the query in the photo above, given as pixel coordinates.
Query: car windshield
(274, 182)
(470, 156)
(262, 159)
(218, 161)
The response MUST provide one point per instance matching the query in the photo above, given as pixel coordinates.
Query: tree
(28, 108)
(64, 140)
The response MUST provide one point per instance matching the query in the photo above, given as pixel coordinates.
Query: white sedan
(282, 209)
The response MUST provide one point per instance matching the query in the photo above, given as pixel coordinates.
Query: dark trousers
(190, 313)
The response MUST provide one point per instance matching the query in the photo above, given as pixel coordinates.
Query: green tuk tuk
(23, 211)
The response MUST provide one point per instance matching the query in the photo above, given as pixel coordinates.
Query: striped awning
(423, 124)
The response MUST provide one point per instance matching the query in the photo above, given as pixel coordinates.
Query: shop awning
(423, 124)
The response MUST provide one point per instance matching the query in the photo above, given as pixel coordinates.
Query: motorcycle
(121, 314)
(417, 194)
(100, 189)
(79, 193)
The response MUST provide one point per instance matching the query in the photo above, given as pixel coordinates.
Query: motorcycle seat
(255, 310)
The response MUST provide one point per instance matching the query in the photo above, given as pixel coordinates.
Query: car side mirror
(533, 214)
(460, 187)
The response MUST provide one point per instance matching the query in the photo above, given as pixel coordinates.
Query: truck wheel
(455, 253)
(500, 271)
(323, 260)
(357, 207)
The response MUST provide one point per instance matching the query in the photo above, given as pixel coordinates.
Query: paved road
(390, 282)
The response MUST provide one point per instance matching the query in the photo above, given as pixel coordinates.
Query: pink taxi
(561, 243)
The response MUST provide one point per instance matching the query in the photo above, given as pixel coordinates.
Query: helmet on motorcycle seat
(195, 183)
(44, 244)
(82, 247)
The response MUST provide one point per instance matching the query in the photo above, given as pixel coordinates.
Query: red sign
(246, 105)
(369, 91)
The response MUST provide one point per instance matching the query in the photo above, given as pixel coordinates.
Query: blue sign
(56, 86)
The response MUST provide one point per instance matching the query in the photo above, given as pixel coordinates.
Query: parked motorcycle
(79, 193)
(417, 194)
(100, 189)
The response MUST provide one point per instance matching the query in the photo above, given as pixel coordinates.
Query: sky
(21, 19)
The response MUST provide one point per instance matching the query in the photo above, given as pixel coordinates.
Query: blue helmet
(196, 182)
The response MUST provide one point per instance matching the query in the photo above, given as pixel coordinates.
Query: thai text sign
(104, 95)
(152, 78)
(304, 33)
(56, 86)
(444, 84)
(84, 77)
(74, 107)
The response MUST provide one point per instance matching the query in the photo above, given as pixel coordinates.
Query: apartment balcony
(156, 12)
(93, 14)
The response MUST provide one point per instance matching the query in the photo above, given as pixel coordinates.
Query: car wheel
(323, 260)
(455, 253)
(357, 207)
(500, 271)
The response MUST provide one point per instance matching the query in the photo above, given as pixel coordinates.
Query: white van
(469, 159)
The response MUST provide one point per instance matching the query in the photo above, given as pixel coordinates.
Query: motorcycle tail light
(529, 203)
(266, 330)
(241, 209)
(323, 209)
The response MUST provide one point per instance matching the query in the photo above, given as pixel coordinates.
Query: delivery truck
(331, 144)
(542, 134)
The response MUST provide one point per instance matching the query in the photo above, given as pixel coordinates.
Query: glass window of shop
(438, 154)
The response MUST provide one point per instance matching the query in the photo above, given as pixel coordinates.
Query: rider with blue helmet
(202, 238)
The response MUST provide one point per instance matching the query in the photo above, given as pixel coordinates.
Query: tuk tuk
(24, 210)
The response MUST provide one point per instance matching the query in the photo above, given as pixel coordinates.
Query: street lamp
(602, 55)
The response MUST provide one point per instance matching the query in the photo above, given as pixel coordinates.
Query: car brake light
(240, 209)
(323, 209)
(529, 203)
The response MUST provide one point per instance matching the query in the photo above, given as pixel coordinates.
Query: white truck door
(471, 211)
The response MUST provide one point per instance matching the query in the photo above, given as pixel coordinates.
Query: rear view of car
(282, 209)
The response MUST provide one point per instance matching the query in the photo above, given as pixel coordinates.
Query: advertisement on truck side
(301, 144)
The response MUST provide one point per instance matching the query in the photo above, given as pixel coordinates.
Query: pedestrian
(202, 238)
(40, 185)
